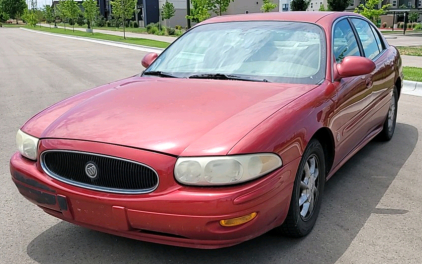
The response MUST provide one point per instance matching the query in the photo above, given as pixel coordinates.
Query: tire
(390, 122)
(305, 204)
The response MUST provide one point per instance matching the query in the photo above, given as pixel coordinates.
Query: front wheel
(307, 192)
(390, 122)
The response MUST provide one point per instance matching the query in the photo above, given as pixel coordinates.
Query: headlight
(27, 145)
(224, 170)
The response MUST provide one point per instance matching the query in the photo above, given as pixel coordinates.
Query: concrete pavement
(370, 213)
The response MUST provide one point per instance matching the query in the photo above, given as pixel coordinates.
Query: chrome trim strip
(96, 188)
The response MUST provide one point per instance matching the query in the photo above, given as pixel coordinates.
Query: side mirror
(354, 66)
(149, 59)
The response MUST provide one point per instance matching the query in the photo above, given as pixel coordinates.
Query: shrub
(100, 21)
(418, 27)
(71, 22)
(178, 27)
(409, 25)
(171, 31)
(149, 27)
(400, 24)
(108, 23)
(80, 21)
(135, 24)
(153, 30)
(384, 24)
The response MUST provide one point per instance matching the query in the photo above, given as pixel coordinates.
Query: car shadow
(351, 196)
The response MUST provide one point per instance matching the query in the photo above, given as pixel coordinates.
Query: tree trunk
(124, 25)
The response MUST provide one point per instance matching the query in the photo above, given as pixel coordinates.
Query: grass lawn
(412, 51)
(412, 74)
(136, 41)
(133, 30)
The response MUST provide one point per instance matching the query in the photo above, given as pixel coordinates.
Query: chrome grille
(110, 174)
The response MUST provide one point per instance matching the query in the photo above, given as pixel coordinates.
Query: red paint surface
(155, 120)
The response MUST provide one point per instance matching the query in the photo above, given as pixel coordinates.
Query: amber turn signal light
(238, 220)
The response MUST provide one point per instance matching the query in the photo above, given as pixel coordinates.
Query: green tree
(30, 15)
(322, 8)
(72, 10)
(338, 5)
(3, 16)
(268, 6)
(123, 9)
(167, 11)
(299, 5)
(369, 10)
(199, 11)
(218, 6)
(91, 10)
(61, 11)
(48, 14)
(413, 16)
(13, 8)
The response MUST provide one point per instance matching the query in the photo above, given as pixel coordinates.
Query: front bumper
(173, 214)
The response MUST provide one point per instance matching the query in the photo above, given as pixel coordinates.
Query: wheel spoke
(312, 165)
(316, 174)
(305, 209)
(303, 185)
(311, 205)
(303, 198)
(306, 170)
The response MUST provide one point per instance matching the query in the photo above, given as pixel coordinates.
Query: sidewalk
(128, 34)
(412, 61)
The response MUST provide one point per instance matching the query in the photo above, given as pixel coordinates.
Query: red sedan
(231, 132)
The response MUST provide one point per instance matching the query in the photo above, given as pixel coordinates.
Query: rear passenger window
(381, 45)
(367, 38)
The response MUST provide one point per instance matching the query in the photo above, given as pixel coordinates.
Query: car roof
(300, 16)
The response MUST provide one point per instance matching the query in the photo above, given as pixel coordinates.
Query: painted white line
(103, 42)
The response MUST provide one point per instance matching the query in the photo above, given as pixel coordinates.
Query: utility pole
(188, 11)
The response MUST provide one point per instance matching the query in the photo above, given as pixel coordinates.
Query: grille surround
(60, 178)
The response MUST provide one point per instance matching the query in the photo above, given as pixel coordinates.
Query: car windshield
(285, 52)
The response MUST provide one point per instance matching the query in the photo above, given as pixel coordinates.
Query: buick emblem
(91, 170)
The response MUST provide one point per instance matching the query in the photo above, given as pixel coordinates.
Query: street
(371, 212)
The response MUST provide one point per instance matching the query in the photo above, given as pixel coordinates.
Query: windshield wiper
(220, 76)
(160, 73)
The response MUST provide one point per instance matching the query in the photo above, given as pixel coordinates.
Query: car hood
(175, 116)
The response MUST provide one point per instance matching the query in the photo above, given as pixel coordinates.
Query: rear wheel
(390, 122)
(307, 192)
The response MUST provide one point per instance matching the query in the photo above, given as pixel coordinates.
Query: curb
(99, 41)
(412, 88)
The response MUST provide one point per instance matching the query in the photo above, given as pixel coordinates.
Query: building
(236, 7)
(148, 11)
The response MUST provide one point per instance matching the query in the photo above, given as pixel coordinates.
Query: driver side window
(344, 41)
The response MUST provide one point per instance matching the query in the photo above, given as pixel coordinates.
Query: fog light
(238, 220)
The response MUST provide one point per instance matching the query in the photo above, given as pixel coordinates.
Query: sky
(42, 3)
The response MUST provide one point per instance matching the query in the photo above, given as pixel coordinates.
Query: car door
(353, 94)
(382, 76)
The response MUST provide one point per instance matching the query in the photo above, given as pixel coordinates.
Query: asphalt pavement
(370, 214)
